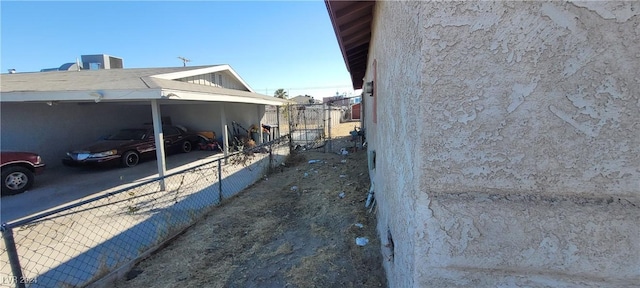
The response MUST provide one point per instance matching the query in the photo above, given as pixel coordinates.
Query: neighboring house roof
(352, 24)
(303, 99)
(126, 85)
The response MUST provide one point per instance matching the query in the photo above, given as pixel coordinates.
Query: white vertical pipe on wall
(159, 138)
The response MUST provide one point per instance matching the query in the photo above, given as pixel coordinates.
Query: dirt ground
(276, 235)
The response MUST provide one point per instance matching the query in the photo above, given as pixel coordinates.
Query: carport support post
(159, 138)
(225, 136)
(260, 124)
(14, 260)
(225, 133)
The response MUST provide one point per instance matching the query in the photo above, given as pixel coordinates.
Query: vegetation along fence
(81, 243)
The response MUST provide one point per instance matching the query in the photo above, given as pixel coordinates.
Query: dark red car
(128, 146)
(18, 170)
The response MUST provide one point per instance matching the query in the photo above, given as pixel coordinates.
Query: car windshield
(129, 134)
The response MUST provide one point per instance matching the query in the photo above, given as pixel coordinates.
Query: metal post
(260, 116)
(270, 164)
(288, 107)
(325, 127)
(273, 132)
(306, 132)
(12, 253)
(219, 181)
(329, 120)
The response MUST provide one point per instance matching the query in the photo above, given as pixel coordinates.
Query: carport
(50, 112)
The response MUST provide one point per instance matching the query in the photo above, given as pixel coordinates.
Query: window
(170, 131)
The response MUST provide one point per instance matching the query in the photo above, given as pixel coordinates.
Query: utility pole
(184, 61)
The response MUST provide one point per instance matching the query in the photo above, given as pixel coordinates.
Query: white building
(504, 139)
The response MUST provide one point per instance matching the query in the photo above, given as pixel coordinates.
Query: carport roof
(134, 84)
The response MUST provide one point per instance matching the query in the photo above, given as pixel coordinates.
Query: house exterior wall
(219, 79)
(51, 131)
(206, 116)
(197, 117)
(303, 100)
(355, 111)
(54, 130)
(507, 142)
(245, 114)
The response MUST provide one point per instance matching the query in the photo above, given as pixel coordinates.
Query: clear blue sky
(270, 44)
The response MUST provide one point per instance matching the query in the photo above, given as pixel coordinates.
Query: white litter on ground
(361, 241)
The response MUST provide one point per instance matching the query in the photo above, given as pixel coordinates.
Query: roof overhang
(351, 22)
(167, 96)
(177, 95)
(82, 95)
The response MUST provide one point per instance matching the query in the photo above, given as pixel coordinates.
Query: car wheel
(186, 147)
(16, 179)
(130, 159)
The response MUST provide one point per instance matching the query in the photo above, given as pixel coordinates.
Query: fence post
(288, 107)
(270, 156)
(329, 120)
(273, 133)
(12, 253)
(306, 132)
(219, 181)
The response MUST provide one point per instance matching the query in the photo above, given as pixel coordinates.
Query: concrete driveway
(62, 185)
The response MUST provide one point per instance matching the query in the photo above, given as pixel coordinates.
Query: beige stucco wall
(508, 142)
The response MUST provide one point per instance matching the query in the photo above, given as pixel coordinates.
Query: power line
(307, 88)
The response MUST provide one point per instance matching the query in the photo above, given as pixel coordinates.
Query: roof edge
(200, 71)
(352, 21)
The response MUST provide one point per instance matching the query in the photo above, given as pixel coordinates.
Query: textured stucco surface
(557, 241)
(508, 142)
(536, 96)
(396, 133)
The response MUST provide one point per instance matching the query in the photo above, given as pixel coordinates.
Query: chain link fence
(81, 243)
(307, 123)
(310, 125)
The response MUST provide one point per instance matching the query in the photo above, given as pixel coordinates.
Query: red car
(18, 170)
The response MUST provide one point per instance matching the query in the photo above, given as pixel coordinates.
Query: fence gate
(307, 125)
